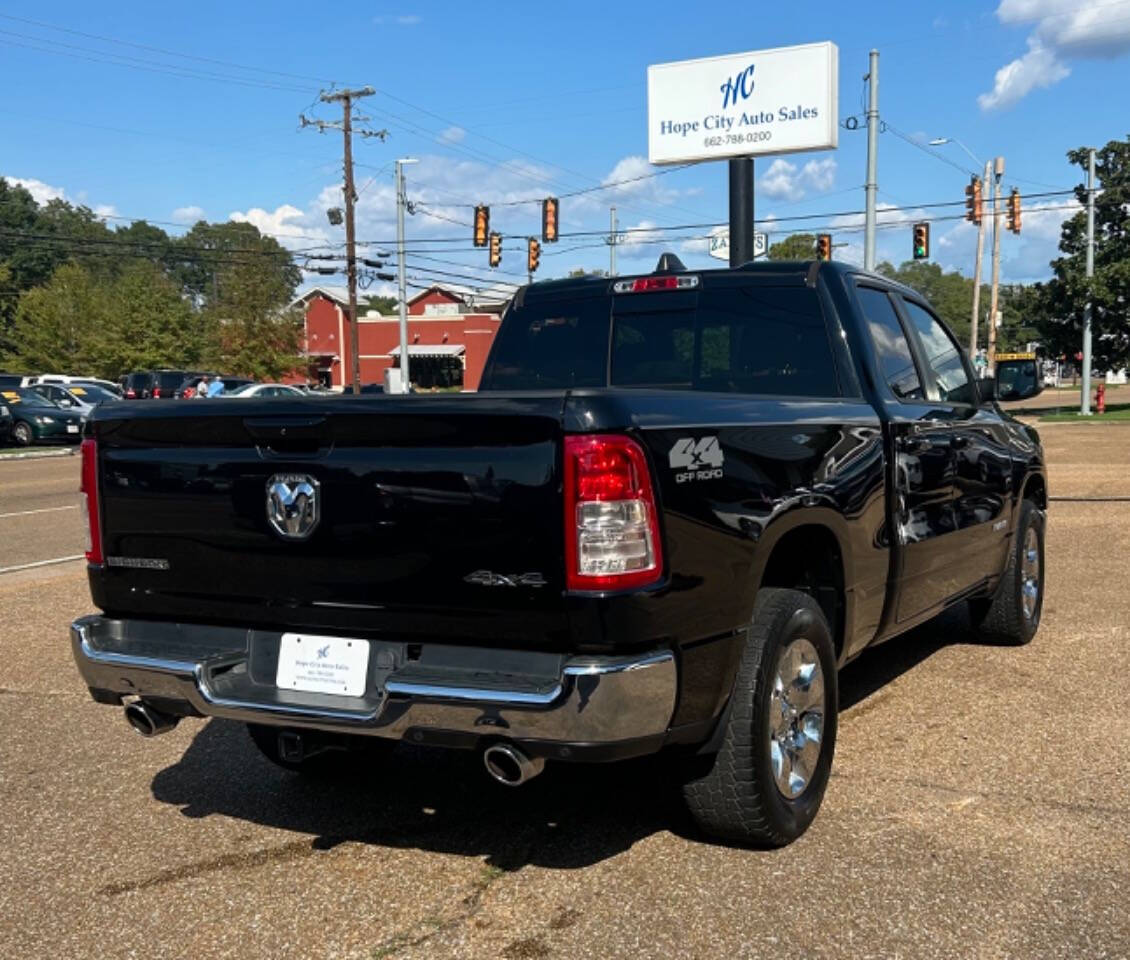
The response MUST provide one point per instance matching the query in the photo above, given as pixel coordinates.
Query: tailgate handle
(289, 435)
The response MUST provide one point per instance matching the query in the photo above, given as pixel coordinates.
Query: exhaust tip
(511, 766)
(147, 721)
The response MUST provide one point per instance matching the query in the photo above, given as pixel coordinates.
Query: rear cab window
(737, 335)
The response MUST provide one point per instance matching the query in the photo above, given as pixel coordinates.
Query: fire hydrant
(1100, 398)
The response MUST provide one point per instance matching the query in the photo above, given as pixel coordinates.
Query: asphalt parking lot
(979, 805)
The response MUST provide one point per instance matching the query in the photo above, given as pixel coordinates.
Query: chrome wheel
(796, 717)
(1030, 574)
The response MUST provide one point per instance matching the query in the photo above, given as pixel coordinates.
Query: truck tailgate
(436, 518)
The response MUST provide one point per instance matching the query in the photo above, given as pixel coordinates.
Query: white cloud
(632, 168)
(452, 135)
(784, 180)
(40, 192)
(780, 181)
(106, 211)
(1064, 30)
(287, 224)
(190, 214)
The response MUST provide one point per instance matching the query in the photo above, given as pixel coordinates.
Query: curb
(38, 454)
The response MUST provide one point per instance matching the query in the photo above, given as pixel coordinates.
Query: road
(40, 521)
(978, 807)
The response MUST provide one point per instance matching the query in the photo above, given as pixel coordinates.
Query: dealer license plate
(314, 664)
(72, 428)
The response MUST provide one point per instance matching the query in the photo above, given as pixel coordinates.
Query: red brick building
(450, 332)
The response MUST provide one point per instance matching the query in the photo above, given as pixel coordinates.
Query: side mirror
(1018, 379)
(987, 388)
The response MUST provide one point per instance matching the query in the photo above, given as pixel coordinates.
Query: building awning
(431, 350)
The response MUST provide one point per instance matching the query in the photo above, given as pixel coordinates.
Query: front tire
(22, 434)
(766, 783)
(1012, 616)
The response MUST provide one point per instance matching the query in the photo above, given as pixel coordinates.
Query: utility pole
(977, 269)
(612, 243)
(346, 98)
(401, 203)
(872, 188)
(998, 171)
(1086, 407)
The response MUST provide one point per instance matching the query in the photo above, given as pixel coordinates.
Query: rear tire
(766, 783)
(340, 755)
(1012, 616)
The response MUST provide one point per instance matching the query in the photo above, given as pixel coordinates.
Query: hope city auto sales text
(718, 121)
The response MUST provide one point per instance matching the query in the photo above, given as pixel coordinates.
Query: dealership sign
(783, 100)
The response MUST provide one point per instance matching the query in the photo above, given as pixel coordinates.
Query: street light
(941, 141)
(400, 204)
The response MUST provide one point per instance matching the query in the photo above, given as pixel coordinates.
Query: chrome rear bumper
(229, 673)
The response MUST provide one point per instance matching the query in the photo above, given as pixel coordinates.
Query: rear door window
(896, 363)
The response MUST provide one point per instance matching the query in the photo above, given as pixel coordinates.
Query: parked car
(258, 390)
(75, 396)
(190, 387)
(668, 517)
(66, 380)
(105, 385)
(136, 386)
(35, 419)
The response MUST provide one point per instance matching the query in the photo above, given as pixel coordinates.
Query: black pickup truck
(678, 504)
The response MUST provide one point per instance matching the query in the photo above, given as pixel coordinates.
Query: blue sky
(504, 102)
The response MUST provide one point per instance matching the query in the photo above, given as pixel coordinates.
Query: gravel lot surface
(979, 805)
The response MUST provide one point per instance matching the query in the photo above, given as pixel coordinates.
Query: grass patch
(1115, 413)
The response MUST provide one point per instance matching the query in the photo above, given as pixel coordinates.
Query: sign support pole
(741, 210)
(1085, 408)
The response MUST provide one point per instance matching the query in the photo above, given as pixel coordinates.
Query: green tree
(81, 323)
(253, 332)
(799, 246)
(1056, 308)
(383, 305)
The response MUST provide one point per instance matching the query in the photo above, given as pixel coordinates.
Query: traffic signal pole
(1086, 407)
(872, 188)
(741, 210)
(977, 270)
(998, 172)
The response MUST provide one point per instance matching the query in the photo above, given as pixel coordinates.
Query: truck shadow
(442, 801)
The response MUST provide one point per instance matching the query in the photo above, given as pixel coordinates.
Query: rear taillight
(156, 393)
(131, 394)
(90, 509)
(611, 518)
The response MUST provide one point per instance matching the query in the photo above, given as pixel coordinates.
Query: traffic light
(495, 249)
(823, 246)
(533, 254)
(482, 225)
(921, 241)
(1014, 211)
(549, 220)
(973, 201)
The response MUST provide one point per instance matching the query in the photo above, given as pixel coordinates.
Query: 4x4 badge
(698, 459)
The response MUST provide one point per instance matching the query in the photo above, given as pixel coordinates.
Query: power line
(169, 53)
(136, 63)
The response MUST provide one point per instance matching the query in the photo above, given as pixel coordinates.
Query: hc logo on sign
(740, 85)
